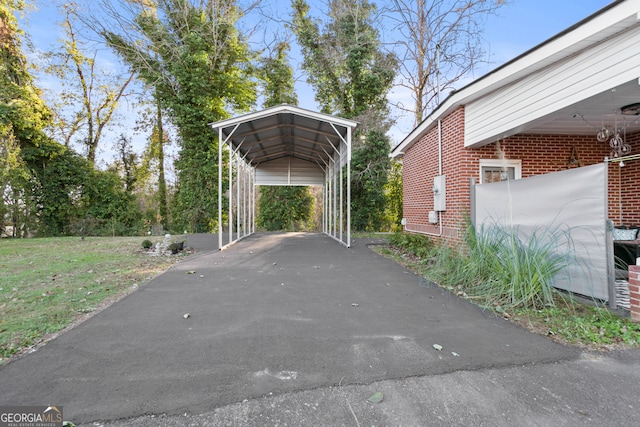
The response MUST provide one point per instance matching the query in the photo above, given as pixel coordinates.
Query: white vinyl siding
(289, 171)
(534, 98)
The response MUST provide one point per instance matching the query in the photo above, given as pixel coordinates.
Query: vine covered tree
(23, 116)
(277, 78)
(352, 76)
(13, 178)
(152, 191)
(192, 55)
(21, 104)
(281, 208)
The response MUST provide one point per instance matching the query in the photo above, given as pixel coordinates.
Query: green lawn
(46, 284)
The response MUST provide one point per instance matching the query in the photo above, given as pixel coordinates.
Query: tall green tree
(352, 76)
(21, 104)
(58, 186)
(153, 193)
(193, 56)
(281, 208)
(13, 177)
(277, 78)
(157, 142)
(393, 192)
(370, 166)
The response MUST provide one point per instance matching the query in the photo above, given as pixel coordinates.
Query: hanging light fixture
(616, 136)
(617, 142)
(619, 146)
(604, 133)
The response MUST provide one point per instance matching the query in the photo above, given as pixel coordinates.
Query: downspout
(439, 152)
(439, 234)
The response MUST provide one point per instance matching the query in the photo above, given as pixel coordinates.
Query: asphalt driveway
(272, 315)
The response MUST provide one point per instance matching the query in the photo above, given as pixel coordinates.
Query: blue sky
(524, 24)
(519, 26)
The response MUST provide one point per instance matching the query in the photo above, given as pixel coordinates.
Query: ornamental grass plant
(498, 267)
(512, 276)
(514, 269)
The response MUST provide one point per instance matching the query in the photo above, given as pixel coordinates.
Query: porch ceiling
(588, 116)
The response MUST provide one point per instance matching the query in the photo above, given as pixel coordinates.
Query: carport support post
(327, 208)
(341, 194)
(330, 205)
(238, 208)
(244, 200)
(349, 187)
(324, 206)
(335, 197)
(220, 187)
(230, 193)
(330, 201)
(326, 202)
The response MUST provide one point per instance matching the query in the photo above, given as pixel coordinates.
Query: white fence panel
(572, 202)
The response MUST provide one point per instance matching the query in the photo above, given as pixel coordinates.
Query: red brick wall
(420, 166)
(539, 154)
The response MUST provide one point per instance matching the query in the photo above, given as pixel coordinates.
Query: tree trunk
(162, 185)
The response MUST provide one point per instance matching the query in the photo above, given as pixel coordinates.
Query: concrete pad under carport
(274, 313)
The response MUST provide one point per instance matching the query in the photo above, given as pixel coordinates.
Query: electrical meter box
(440, 193)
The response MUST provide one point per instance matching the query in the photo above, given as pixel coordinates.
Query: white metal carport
(285, 145)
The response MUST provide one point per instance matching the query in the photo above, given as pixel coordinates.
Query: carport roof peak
(286, 131)
(280, 109)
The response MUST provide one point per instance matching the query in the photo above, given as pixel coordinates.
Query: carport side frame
(332, 175)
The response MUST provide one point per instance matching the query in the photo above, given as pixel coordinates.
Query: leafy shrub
(414, 244)
(147, 244)
(284, 208)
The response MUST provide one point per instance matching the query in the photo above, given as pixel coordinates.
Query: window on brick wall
(499, 170)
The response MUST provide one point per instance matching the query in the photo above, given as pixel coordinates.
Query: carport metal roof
(286, 131)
